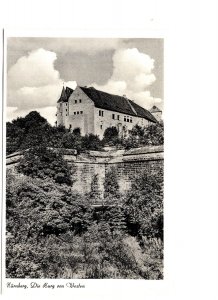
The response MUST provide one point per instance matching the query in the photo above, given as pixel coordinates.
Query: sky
(37, 68)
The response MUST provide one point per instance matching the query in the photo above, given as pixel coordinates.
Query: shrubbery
(56, 233)
(33, 130)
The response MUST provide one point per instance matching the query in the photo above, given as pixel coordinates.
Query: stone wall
(126, 164)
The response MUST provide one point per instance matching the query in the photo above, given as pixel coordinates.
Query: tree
(111, 136)
(115, 217)
(111, 187)
(91, 142)
(95, 194)
(77, 131)
(154, 134)
(41, 162)
(23, 133)
(144, 205)
(72, 141)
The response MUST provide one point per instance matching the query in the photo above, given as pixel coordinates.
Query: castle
(93, 111)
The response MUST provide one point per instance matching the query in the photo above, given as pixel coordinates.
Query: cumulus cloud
(33, 83)
(132, 75)
(34, 70)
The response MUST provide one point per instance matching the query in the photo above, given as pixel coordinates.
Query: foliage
(115, 217)
(72, 141)
(77, 131)
(41, 162)
(139, 136)
(111, 136)
(56, 233)
(92, 142)
(144, 205)
(34, 130)
(111, 187)
(95, 194)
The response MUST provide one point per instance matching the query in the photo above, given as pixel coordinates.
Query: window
(101, 113)
(130, 120)
(74, 113)
(75, 101)
(101, 126)
(81, 112)
(77, 112)
(118, 117)
(66, 104)
(66, 115)
(113, 116)
(125, 119)
(66, 109)
(80, 100)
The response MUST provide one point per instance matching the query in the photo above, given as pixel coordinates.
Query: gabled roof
(117, 103)
(65, 94)
(155, 109)
(69, 91)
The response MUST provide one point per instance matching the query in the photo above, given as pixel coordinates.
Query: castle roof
(65, 94)
(117, 103)
(155, 109)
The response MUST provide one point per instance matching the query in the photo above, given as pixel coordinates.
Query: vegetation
(53, 232)
(33, 130)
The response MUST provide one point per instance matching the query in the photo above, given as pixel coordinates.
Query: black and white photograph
(84, 158)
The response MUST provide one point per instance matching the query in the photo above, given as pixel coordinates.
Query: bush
(91, 142)
(144, 205)
(40, 162)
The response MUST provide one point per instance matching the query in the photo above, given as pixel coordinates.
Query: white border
(190, 114)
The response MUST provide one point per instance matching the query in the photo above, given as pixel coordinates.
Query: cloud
(33, 83)
(34, 70)
(132, 75)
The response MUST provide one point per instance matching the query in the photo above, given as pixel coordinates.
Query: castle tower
(62, 108)
(157, 113)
